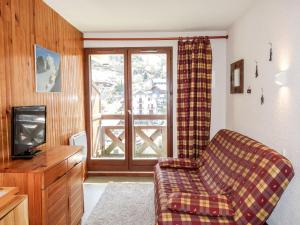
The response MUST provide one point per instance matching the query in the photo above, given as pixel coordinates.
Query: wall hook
(262, 98)
(271, 52)
(256, 69)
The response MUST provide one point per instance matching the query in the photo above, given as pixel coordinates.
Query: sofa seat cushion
(201, 204)
(179, 163)
(180, 180)
(170, 180)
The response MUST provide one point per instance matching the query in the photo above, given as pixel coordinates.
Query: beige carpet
(124, 204)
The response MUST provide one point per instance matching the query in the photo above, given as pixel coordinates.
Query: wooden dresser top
(41, 162)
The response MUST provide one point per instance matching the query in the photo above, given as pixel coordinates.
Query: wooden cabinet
(53, 182)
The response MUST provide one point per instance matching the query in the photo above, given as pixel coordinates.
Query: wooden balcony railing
(143, 139)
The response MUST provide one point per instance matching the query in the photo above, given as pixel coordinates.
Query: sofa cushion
(179, 163)
(201, 204)
(169, 180)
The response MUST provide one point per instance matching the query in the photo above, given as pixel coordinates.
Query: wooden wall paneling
(2, 81)
(5, 34)
(22, 24)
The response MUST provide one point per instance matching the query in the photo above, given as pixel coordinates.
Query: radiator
(79, 139)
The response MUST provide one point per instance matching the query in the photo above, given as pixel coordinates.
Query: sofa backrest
(252, 174)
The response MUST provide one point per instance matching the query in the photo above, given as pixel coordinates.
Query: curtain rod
(150, 39)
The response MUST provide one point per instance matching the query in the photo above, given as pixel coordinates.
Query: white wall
(277, 122)
(219, 67)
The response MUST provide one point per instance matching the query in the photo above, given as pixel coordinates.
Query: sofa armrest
(179, 163)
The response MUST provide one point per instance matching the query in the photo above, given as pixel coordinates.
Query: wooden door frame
(147, 165)
(126, 164)
(93, 164)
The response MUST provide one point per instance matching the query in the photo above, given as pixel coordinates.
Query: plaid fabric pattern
(193, 96)
(253, 175)
(170, 180)
(179, 163)
(200, 204)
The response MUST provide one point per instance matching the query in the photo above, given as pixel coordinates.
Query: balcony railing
(149, 141)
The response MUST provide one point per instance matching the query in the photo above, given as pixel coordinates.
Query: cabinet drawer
(54, 173)
(74, 160)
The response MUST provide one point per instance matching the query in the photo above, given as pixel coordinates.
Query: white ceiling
(150, 15)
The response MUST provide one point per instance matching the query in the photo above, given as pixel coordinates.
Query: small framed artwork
(47, 70)
(237, 77)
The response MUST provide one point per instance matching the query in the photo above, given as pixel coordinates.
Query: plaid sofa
(251, 174)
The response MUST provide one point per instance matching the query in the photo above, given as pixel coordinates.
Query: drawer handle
(75, 164)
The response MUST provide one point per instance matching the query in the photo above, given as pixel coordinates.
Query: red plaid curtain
(193, 96)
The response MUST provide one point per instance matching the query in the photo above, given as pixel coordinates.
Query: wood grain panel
(9, 219)
(55, 200)
(55, 173)
(24, 23)
(21, 212)
(18, 211)
(74, 160)
(75, 194)
(15, 211)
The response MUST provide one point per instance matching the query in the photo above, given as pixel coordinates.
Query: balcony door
(130, 108)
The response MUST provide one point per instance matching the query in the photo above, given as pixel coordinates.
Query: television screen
(29, 128)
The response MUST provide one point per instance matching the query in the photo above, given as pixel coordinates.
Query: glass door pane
(108, 106)
(149, 105)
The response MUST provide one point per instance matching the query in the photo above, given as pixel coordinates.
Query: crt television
(28, 130)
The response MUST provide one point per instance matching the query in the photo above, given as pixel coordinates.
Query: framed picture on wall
(237, 77)
(47, 70)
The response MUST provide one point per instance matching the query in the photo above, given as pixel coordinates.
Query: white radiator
(79, 139)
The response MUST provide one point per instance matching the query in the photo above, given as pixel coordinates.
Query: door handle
(129, 112)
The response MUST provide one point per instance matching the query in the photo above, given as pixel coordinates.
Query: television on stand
(28, 130)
